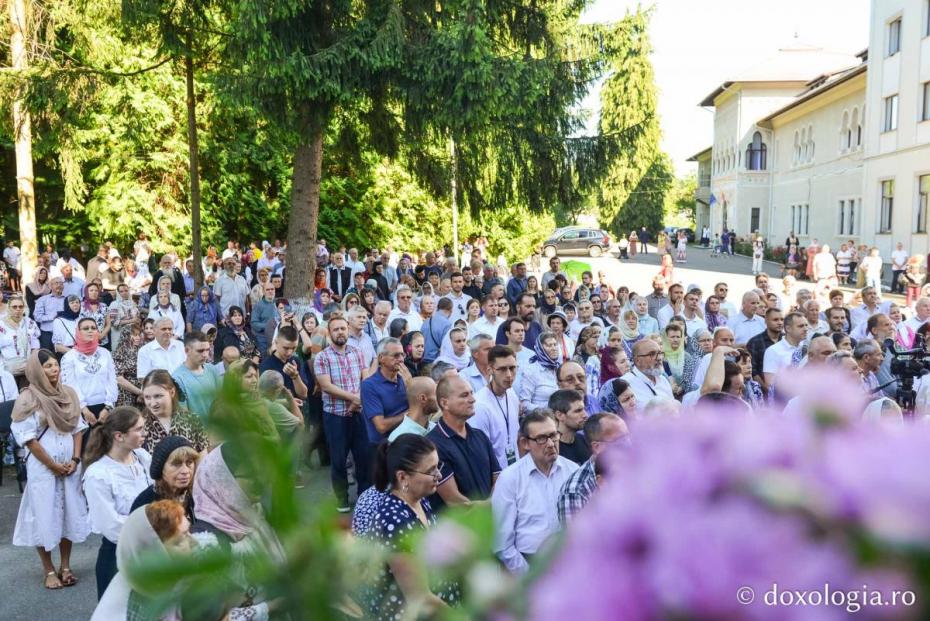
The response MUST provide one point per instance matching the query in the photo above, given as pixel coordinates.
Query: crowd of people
(420, 381)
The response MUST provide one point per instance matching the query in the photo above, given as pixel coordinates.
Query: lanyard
(506, 414)
(648, 384)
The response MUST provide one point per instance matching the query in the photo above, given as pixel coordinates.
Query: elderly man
(821, 348)
(524, 503)
(71, 284)
(601, 430)
(405, 310)
(384, 394)
(477, 373)
(469, 467)
(338, 276)
(584, 319)
(497, 407)
(358, 319)
(811, 311)
(571, 376)
(282, 408)
(379, 328)
(746, 323)
(230, 288)
(921, 314)
(647, 379)
(47, 308)
(869, 357)
(165, 352)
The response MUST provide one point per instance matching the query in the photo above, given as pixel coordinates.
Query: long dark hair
(403, 454)
(121, 419)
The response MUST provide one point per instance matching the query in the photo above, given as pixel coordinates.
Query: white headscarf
(447, 353)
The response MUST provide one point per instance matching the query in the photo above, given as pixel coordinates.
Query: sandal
(56, 584)
(67, 578)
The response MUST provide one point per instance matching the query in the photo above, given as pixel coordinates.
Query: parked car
(577, 240)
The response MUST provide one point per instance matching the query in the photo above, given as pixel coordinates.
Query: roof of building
(798, 63)
(818, 86)
(698, 155)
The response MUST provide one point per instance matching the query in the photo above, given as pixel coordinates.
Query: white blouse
(92, 377)
(63, 331)
(111, 488)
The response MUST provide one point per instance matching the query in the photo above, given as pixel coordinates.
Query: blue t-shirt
(199, 389)
(381, 397)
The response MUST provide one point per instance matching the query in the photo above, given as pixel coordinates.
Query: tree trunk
(305, 207)
(22, 129)
(194, 157)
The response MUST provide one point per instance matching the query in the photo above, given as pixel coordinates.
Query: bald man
(747, 323)
(647, 379)
(821, 348)
(469, 465)
(421, 404)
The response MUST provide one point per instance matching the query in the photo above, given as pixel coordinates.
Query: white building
(831, 146)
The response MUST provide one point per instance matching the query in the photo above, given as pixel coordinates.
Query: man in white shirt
(921, 314)
(477, 373)
(404, 310)
(694, 321)
(47, 308)
(554, 264)
(515, 331)
(230, 288)
(647, 378)
(787, 352)
(898, 267)
(489, 322)
(727, 307)
(746, 323)
(583, 319)
(379, 328)
(459, 299)
(165, 352)
(358, 318)
(524, 501)
(497, 407)
(815, 324)
(870, 306)
(353, 263)
(675, 306)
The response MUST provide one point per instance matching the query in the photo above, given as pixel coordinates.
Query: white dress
(52, 508)
(111, 488)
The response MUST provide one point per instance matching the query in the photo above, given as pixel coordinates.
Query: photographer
(283, 360)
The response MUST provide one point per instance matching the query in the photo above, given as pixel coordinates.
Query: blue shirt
(434, 329)
(515, 287)
(199, 390)
(470, 460)
(381, 397)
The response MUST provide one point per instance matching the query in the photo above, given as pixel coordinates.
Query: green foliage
(680, 206)
(637, 180)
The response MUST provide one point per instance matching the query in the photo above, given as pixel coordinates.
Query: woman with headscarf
(203, 309)
(679, 364)
(712, 315)
(349, 301)
(64, 327)
(538, 380)
(558, 323)
(96, 309)
(587, 344)
(454, 349)
(47, 423)
(39, 286)
(172, 275)
(611, 361)
(414, 344)
(165, 284)
(88, 368)
(236, 333)
(617, 397)
(647, 323)
(125, 313)
(629, 328)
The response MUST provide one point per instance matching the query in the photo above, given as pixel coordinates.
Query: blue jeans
(344, 435)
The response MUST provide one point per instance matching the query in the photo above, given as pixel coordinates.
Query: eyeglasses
(649, 355)
(546, 439)
(436, 472)
(511, 369)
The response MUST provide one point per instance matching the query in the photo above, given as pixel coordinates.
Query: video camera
(906, 365)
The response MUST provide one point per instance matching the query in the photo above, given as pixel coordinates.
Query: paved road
(22, 596)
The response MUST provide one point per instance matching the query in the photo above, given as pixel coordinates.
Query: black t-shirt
(578, 451)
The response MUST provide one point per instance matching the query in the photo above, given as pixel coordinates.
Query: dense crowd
(420, 381)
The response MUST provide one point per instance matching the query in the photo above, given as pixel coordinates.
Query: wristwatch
(76, 460)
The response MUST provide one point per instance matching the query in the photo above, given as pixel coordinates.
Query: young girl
(682, 247)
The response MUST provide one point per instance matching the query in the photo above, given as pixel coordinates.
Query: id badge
(511, 456)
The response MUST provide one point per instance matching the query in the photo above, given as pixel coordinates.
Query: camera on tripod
(907, 365)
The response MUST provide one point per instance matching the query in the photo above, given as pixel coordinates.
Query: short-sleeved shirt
(470, 460)
(381, 397)
(199, 388)
(344, 371)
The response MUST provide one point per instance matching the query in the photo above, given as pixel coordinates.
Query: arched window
(756, 153)
(856, 125)
(845, 130)
(803, 157)
(797, 148)
(852, 127)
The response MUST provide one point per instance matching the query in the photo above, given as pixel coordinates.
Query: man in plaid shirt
(601, 431)
(339, 371)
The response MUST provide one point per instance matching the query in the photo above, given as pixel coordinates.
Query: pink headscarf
(219, 500)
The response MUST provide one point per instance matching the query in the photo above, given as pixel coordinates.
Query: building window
(894, 37)
(845, 132)
(807, 219)
(842, 217)
(754, 219)
(890, 122)
(851, 221)
(923, 197)
(925, 108)
(884, 224)
(800, 219)
(756, 153)
(848, 217)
